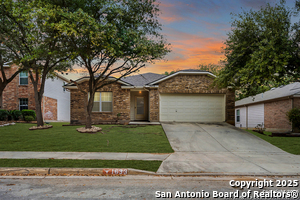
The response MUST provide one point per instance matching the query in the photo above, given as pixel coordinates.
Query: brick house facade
(269, 109)
(125, 97)
(19, 94)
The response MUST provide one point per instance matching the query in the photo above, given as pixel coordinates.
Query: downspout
(246, 117)
(43, 108)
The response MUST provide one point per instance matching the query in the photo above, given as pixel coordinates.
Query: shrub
(294, 117)
(3, 115)
(16, 114)
(28, 118)
(28, 113)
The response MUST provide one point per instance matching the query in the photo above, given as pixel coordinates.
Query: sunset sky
(197, 30)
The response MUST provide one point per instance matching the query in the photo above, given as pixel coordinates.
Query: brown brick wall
(14, 91)
(49, 108)
(296, 102)
(275, 115)
(121, 104)
(192, 84)
(198, 84)
(154, 105)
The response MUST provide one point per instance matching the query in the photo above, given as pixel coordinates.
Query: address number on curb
(115, 171)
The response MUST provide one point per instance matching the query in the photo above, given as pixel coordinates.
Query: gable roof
(184, 72)
(282, 91)
(142, 79)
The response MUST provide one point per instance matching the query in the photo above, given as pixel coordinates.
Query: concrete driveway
(222, 148)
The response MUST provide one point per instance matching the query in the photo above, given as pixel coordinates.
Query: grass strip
(135, 164)
(139, 139)
(288, 144)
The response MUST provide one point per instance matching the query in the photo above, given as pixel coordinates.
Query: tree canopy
(27, 30)
(111, 38)
(262, 50)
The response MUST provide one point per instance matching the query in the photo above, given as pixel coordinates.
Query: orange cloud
(188, 51)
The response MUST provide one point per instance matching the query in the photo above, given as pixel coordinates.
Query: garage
(192, 107)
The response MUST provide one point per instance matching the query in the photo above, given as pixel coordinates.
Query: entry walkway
(81, 155)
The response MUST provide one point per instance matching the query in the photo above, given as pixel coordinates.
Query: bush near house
(28, 118)
(28, 113)
(16, 114)
(294, 117)
(10, 115)
(3, 115)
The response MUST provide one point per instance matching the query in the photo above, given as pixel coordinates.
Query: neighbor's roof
(71, 75)
(282, 91)
(142, 79)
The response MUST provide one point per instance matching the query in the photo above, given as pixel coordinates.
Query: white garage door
(192, 108)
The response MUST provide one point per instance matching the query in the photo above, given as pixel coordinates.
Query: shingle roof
(142, 79)
(282, 91)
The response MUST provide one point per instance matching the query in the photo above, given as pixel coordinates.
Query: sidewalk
(81, 155)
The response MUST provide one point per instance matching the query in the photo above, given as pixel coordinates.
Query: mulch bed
(94, 129)
(285, 135)
(40, 127)
(6, 123)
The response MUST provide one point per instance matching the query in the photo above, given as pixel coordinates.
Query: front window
(23, 78)
(102, 102)
(237, 115)
(23, 103)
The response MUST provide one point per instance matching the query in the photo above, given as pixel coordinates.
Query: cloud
(188, 51)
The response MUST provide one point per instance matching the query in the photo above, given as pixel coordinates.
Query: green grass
(143, 139)
(288, 144)
(136, 164)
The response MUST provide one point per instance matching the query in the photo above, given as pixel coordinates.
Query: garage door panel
(192, 108)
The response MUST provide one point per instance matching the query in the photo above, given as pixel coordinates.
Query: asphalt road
(131, 187)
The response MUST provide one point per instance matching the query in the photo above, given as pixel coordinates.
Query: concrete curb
(32, 171)
(65, 171)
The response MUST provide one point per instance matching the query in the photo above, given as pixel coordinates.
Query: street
(140, 187)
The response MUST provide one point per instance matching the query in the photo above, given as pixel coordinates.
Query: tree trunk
(38, 110)
(89, 108)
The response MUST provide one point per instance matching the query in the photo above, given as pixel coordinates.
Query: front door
(140, 108)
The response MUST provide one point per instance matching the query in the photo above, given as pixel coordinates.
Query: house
(185, 96)
(268, 108)
(19, 95)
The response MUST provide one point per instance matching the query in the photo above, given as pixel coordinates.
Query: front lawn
(288, 144)
(135, 164)
(142, 139)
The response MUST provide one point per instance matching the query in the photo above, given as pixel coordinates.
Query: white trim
(70, 87)
(182, 72)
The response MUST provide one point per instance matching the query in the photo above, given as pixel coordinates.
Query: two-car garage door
(192, 108)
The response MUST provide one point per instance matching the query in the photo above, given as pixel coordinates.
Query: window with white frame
(23, 103)
(102, 102)
(237, 115)
(23, 78)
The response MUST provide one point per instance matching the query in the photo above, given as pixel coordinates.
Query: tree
(27, 30)
(213, 68)
(112, 38)
(5, 58)
(261, 50)
(169, 73)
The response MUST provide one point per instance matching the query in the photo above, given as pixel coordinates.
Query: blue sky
(197, 30)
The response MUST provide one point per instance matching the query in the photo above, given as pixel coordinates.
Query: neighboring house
(268, 108)
(185, 96)
(19, 95)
